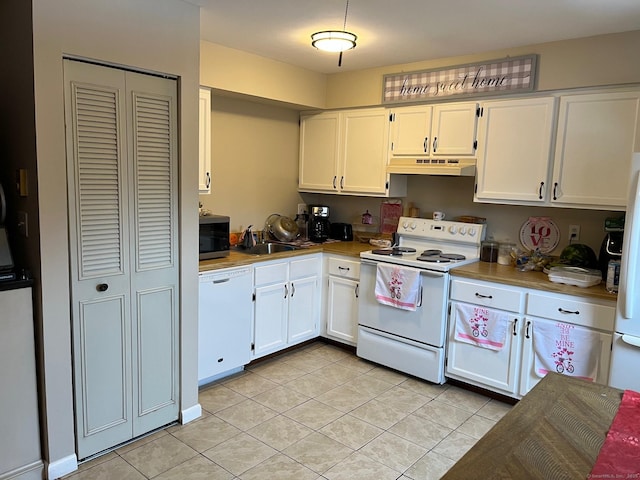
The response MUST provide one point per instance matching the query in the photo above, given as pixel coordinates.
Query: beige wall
(594, 61)
(454, 196)
(152, 35)
(230, 70)
(254, 161)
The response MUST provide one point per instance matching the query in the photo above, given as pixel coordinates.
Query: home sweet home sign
(509, 75)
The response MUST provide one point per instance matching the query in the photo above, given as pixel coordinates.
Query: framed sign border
(497, 91)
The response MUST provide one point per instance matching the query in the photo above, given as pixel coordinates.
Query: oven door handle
(428, 273)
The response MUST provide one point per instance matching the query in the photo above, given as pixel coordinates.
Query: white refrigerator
(625, 353)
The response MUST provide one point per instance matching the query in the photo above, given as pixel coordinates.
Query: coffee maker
(611, 248)
(319, 225)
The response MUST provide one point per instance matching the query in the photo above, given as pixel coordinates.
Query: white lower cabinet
(287, 303)
(496, 370)
(597, 316)
(342, 299)
(511, 370)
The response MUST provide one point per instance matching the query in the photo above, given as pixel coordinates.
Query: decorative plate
(539, 233)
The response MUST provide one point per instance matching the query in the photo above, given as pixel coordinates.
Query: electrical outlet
(302, 208)
(574, 233)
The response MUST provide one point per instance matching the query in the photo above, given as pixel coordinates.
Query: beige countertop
(491, 272)
(494, 272)
(236, 258)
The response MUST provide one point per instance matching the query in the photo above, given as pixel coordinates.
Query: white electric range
(413, 341)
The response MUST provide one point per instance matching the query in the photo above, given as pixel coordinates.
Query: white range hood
(433, 166)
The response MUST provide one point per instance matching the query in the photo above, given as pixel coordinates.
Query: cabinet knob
(102, 287)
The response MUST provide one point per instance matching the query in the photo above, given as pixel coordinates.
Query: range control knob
(405, 225)
(453, 229)
(472, 231)
(463, 230)
(414, 225)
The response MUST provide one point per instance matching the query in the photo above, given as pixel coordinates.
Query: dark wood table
(555, 432)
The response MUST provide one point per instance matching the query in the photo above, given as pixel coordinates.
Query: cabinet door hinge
(392, 117)
(253, 346)
(386, 186)
(475, 144)
(449, 309)
(475, 188)
(253, 297)
(446, 361)
(479, 112)
(392, 146)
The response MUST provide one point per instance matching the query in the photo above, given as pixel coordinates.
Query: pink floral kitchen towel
(566, 348)
(398, 286)
(481, 326)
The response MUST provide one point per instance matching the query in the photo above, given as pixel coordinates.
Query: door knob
(102, 287)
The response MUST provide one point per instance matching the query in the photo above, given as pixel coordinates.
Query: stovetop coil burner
(394, 251)
(436, 256)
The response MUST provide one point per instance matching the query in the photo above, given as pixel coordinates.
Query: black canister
(489, 251)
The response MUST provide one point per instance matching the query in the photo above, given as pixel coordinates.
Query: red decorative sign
(539, 233)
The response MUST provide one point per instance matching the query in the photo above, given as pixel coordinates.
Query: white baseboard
(190, 414)
(62, 467)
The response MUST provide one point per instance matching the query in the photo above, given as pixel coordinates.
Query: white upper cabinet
(346, 153)
(595, 141)
(319, 151)
(514, 150)
(454, 129)
(593, 137)
(440, 130)
(410, 130)
(204, 150)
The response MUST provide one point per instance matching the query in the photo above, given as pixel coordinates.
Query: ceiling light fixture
(335, 40)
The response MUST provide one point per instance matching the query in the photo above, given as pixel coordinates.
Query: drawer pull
(526, 332)
(562, 310)
(344, 268)
(515, 325)
(479, 295)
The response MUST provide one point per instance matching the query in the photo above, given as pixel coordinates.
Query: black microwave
(214, 236)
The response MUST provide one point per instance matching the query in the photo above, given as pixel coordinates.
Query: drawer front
(304, 267)
(486, 295)
(571, 310)
(272, 273)
(344, 268)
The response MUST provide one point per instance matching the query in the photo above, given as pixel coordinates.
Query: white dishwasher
(224, 322)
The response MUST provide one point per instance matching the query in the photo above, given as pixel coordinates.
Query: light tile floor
(318, 412)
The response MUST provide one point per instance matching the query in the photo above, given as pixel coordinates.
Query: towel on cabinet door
(398, 286)
(566, 348)
(481, 326)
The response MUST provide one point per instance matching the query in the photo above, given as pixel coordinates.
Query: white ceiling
(403, 31)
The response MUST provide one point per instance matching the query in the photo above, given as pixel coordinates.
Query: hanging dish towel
(398, 286)
(566, 348)
(481, 326)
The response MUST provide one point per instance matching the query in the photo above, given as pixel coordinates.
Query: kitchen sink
(268, 248)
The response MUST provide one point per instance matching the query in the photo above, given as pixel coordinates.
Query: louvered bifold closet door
(95, 117)
(154, 279)
(122, 190)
